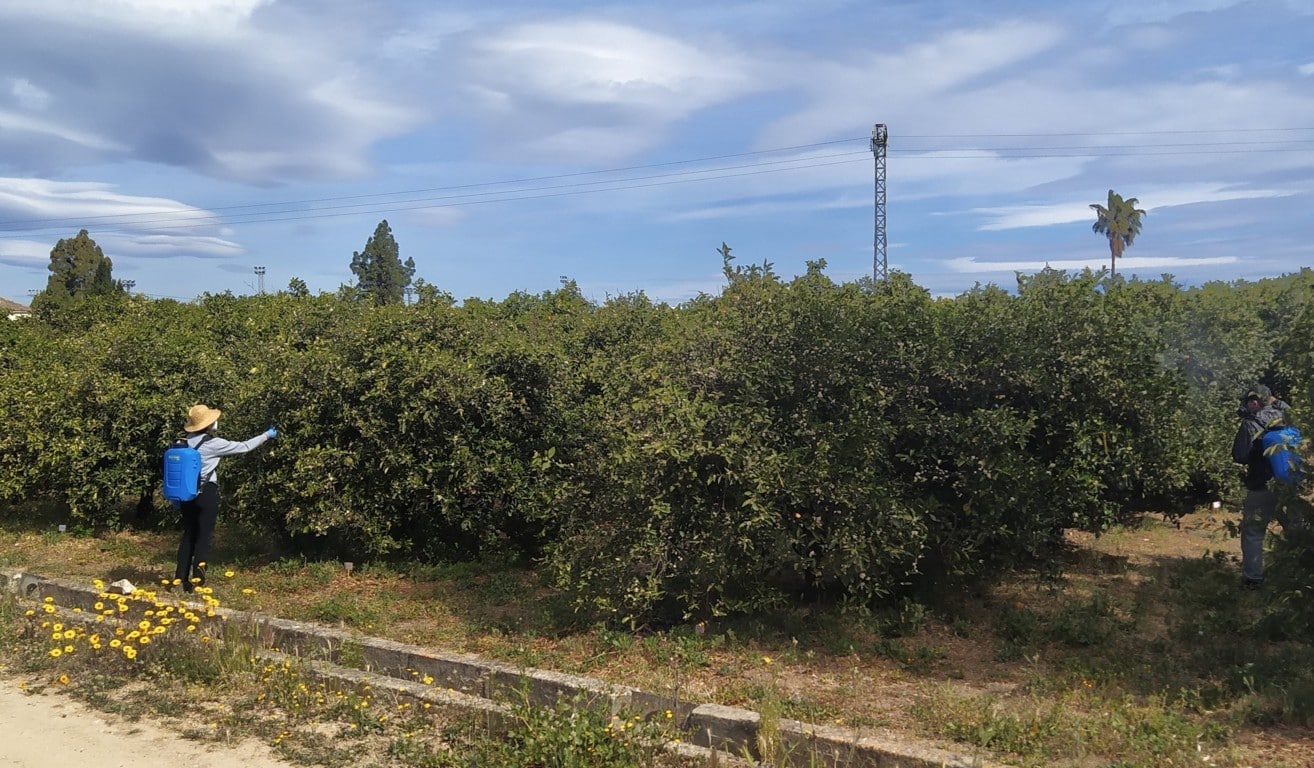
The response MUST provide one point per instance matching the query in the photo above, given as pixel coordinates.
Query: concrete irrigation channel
(474, 685)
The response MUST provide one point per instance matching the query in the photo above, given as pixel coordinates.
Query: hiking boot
(1252, 584)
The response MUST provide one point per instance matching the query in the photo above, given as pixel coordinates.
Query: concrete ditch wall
(476, 684)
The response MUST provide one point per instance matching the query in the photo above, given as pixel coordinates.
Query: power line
(118, 222)
(526, 180)
(431, 204)
(255, 213)
(1041, 152)
(1099, 133)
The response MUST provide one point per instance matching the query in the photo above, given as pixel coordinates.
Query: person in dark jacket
(1259, 411)
(200, 514)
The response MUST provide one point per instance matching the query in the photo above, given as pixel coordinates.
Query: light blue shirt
(212, 448)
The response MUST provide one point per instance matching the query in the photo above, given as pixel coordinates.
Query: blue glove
(271, 432)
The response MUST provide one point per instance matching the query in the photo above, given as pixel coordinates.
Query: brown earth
(872, 682)
(46, 730)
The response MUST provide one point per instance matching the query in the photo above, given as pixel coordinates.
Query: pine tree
(380, 274)
(78, 268)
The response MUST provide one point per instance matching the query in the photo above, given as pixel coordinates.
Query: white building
(14, 309)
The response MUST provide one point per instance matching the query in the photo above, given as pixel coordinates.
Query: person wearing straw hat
(200, 514)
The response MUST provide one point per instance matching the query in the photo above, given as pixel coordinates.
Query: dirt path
(48, 730)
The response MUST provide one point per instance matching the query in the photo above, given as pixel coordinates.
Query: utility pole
(128, 285)
(880, 270)
(260, 275)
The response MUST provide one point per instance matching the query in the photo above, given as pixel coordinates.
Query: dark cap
(1258, 392)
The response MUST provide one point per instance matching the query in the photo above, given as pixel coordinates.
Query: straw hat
(200, 417)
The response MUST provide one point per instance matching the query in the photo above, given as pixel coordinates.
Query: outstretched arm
(217, 446)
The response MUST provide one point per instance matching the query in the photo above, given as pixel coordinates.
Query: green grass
(223, 692)
(1134, 658)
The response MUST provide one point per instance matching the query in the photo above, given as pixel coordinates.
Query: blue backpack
(182, 472)
(1280, 446)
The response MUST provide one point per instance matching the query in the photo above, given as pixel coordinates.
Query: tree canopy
(1120, 221)
(78, 268)
(381, 276)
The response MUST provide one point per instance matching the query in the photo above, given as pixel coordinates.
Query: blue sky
(510, 144)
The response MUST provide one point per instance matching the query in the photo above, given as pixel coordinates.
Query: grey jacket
(213, 448)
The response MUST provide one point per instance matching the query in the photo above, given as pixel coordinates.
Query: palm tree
(1120, 222)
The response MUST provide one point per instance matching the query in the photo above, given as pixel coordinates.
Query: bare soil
(47, 730)
(860, 679)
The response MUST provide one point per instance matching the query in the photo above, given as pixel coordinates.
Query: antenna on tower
(880, 270)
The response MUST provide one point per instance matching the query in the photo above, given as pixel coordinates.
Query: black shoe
(1252, 584)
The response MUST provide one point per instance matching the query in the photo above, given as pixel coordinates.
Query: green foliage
(380, 274)
(1120, 222)
(781, 441)
(573, 734)
(78, 269)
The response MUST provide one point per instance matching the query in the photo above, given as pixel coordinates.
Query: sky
(514, 145)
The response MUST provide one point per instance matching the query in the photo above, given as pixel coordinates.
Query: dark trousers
(198, 519)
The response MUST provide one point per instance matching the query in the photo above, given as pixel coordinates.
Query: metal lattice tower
(260, 275)
(880, 266)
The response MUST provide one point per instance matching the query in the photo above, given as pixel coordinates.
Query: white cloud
(1306, 69)
(162, 17)
(971, 265)
(28, 95)
(1023, 216)
(586, 90)
(603, 63)
(1156, 11)
(164, 246)
(16, 123)
(237, 89)
(90, 201)
(28, 254)
(768, 208)
(123, 225)
(919, 83)
(441, 216)
(975, 172)
(669, 292)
